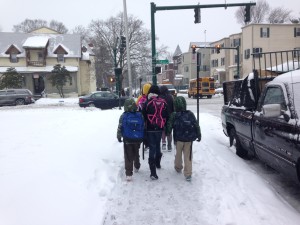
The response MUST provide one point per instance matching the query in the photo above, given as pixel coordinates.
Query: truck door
(273, 136)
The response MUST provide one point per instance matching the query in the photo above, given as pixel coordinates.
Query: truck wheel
(234, 140)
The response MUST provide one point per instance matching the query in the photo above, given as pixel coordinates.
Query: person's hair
(154, 89)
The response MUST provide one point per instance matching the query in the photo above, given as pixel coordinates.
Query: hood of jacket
(164, 90)
(146, 88)
(130, 105)
(180, 104)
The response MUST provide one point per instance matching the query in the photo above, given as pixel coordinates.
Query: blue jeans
(154, 144)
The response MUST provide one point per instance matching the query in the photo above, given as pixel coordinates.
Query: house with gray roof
(34, 55)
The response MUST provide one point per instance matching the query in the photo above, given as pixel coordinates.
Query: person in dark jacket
(131, 149)
(182, 147)
(153, 131)
(169, 99)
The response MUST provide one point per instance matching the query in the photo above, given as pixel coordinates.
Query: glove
(119, 140)
(198, 139)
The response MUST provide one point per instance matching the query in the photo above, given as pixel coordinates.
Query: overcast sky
(172, 27)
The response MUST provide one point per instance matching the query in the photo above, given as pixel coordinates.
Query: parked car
(171, 88)
(219, 91)
(16, 97)
(102, 100)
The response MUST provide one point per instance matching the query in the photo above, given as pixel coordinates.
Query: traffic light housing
(122, 44)
(218, 47)
(194, 49)
(247, 16)
(197, 15)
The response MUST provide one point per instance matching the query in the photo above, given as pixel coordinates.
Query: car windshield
(169, 86)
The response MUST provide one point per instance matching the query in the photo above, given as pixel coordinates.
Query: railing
(36, 63)
(275, 63)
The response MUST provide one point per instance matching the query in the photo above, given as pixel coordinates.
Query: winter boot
(163, 146)
(157, 160)
(169, 147)
(153, 174)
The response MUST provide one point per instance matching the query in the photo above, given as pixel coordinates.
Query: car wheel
(91, 105)
(20, 102)
(234, 140)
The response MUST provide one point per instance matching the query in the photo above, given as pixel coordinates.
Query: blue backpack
(133, 127)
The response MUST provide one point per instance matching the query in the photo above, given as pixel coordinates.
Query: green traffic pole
(154, 78)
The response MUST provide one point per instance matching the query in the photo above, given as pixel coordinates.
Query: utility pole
(127, 49)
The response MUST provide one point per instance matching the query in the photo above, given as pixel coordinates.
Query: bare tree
(29, 25)
(106, 38)
(258, 12)
(58, 26)
(279, 15)
(84, 33)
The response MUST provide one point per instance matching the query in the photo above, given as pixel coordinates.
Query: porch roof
(46, 69)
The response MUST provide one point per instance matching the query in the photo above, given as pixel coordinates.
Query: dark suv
(16, 97)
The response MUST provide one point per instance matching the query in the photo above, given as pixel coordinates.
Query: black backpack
(157, 112)
(185, 126)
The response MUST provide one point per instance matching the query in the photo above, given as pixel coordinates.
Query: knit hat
(130, 105)
(154, 89)
(146, 88)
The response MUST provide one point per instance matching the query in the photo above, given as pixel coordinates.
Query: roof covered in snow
(71, 43)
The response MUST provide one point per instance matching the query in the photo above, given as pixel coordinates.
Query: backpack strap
(156, 118)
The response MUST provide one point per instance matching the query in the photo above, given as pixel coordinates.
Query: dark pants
(131, 157)
(155, 155)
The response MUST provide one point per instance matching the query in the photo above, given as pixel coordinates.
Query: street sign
(163, 61)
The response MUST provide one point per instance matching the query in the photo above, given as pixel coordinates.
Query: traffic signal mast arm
(158, 8)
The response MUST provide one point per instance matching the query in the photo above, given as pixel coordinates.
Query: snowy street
(61, 164)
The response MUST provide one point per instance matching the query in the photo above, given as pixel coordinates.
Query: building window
(214, 63)
(256, 52)
(13, 58)
(222, 61)
(60, 58)
(247, 54)
(297, 52)
(297, 32)
(40, 56)
(236, 42)
(264, 32)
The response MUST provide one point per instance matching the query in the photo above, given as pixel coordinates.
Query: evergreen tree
(59, 77)
(11, 79)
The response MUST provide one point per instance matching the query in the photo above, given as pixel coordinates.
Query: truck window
(274, 95)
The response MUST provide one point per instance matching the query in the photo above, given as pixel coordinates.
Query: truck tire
(234, 140)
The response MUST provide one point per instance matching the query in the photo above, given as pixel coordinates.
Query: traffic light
(194, 49)
(247, 14)
(122, 44)
(197, 15)
(218, 47)
(112, 79)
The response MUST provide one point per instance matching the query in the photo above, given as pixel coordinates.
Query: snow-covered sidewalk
(62, 165)
(223, 190)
